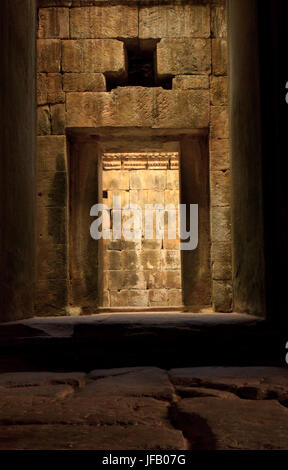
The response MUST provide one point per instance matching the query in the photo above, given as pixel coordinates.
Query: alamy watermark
(155, 221)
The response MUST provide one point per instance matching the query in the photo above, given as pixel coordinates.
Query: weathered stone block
(219, 154)
(137, 106)
(119, 21)
(219, 91)
(191, 82)
(52, 154)
(169, 244)
(182, 109)
(84, 82)
(151, 259)
(134, 280)
(219, 56)
(51, 261)
(115, 180)
(222, 296)
(51, 224)
(183, 56)
(58, 119)
(53, 23)
(151, 244)
(141, 179)
(221, 255)
(94, 55)
(158, 297)
(176, 21)
(220, 185)
(116, 280)
(172, 197)
(43, 120)
(41, 89)
(119, 299)
(173, 279)
(51, 189)
(48, 55)
(138, 298)
(219, 122)
(171, 259)
(173, 177)
(221, 224)
(155, 279)
(174, 297)
(112, 260)
(55, 93)
(89, 109)
(122, 194)
(50, 297)
(219, 21)
(130, 260)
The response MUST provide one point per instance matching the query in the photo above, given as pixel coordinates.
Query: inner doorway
(141, 258)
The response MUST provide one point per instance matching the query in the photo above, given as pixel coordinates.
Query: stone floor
(145, 408)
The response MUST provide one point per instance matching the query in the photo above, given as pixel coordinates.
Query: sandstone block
(219, 91)
(219, 21)
(116, 280)
(155, 279)
(151, 259)
(51, 261)
(58, 119)
(179, 56)
(41, 89)
(131, 260)
(172, 197)
(182, 109)
(134, 280)
(94, 55)
(119, 299)
(219, 154)
(151, 244)
(219, 56)
(172, 179)
(220, 184)
(122, 194)
(191, 82)
(112, 260)
(137, 106)
(173, 279)
(55, 93)
(174, 297)
(222, 296)
(50, 297)
(219, 122)
(115, 180)
(221, 224)
(234, 424)
(158, 297)
(119, 21)
(84, 82)
(138, 298)
(53, 23)
(176, 21)
(48, 55)
(156, 180)
(221, 261)
(51, 189)
(43, 120)
(51, 224)
(51, 153)
(171, 259)
(169, 244)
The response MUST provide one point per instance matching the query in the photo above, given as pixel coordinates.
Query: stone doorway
(146, 271)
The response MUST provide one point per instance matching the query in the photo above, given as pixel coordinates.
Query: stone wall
(79, 49)
(144, 272)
